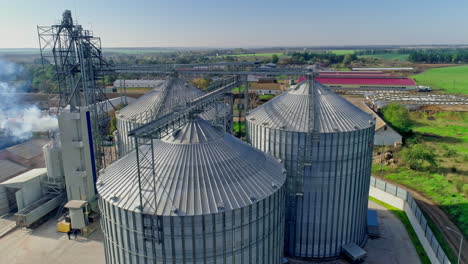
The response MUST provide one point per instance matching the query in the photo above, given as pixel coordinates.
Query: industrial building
(172, 94)
(363, 80)
(326, 145)
(211, 199)
(385, 135)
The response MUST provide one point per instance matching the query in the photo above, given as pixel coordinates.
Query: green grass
(447, 185)
(239, 128)
(342, 52)
(388, 57)
(401, 215)
(266, 96)
(451, 127)
(449, 79)
(239, 89)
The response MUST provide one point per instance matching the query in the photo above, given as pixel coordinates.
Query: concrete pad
(44, 245)
(394, 245)
(7, 224)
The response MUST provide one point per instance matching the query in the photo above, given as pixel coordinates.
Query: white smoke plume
(16, 118)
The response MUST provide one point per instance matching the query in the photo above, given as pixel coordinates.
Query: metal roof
(9, 169)
(29, 149)
(179, 92)
(359, 102)
(25, 177)
(366, 81)
(198, 170)
(310, 107)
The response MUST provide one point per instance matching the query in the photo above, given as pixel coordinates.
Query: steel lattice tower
(77, 57)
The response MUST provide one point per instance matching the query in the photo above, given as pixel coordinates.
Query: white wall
(76, 155)
(386, 137)
(4, 206)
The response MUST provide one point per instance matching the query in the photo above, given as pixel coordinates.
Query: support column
(246, 103)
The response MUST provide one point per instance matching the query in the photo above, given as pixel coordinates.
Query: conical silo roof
(199, 170)
(172, 92)
(310, 107)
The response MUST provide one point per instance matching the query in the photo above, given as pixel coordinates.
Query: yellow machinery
(63, 226)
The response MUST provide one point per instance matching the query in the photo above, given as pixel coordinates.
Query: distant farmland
(268, 54)
(342, 52)
(450, 79)
(282, 54)
(388, 57)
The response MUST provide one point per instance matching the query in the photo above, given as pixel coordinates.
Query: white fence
(402, 199)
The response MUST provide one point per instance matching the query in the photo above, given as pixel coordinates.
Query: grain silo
(326, 145)
(213, 199)
(166, 97)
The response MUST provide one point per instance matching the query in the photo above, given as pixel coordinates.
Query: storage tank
(213, 199)
(170, 95)
(326, 145)
(53, 159)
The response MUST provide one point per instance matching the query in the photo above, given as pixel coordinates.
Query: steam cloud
(16, 118)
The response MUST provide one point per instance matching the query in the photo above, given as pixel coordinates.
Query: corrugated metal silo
(168, 96)
(326, 145)
(216, 200)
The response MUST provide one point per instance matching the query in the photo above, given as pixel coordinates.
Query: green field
(342, 52)
(450, 79)
(388, 57)
(446, 133)
(451, 127)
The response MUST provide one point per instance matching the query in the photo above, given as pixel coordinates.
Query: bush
(419, 157)
(397, 116)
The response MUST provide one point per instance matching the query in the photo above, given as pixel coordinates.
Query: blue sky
(243, 23)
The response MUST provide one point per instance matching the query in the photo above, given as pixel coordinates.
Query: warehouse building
(385, 135)
(364, 80)
(367, 82)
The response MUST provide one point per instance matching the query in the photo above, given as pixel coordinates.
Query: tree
(274, 58)
(419, 156)
(397, 116)
(113, 119)
(201, 83)
(348, 58)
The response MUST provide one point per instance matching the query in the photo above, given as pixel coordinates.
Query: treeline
(182, 57)
(382, 51)
(439, 56)
(326, 58)
(424, 55)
